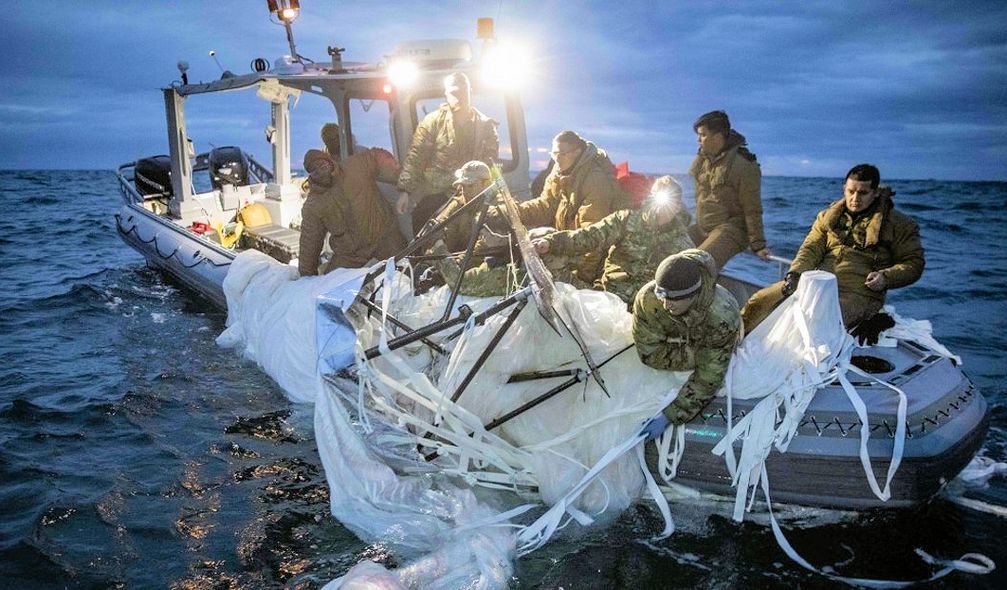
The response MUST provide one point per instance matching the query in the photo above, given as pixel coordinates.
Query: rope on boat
(157, 249)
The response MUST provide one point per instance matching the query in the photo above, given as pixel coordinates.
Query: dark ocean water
(136, 453)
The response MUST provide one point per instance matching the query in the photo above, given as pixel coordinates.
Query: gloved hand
(790, 281)
(496, 219)
(656, 426)
(868, 331)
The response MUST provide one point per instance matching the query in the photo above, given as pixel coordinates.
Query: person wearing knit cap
(684, 321)
(345, 204)
(728, 192)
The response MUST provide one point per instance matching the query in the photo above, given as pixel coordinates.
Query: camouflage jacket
(849, 247)
(439, 148)
(701, 340)
(728, 190)
(492, 281)
(634, 247)
(584, 195)
(456, 233)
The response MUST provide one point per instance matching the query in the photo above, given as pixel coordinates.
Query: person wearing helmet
(684, 321)
(634, 241)
(345, 203)
(728, 192)
(444, 140)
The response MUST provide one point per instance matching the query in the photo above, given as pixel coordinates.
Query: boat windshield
(368, 123)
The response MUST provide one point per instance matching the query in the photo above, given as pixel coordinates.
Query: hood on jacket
(734, 142)
(880, 210)
(588, 157)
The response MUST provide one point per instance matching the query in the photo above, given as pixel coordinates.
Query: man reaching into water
(683, 320)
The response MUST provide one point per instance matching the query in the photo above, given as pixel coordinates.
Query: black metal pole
(436, 347)
(549, 394)
(536, 375)
(464, 312)
(488, 350)
(473, 235)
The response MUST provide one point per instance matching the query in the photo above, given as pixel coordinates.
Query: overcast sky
(920, 89)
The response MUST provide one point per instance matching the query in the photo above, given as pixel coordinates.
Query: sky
(918, 88)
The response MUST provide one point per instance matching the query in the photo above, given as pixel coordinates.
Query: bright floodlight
(285, 10)
(403, 73)
(507, 67)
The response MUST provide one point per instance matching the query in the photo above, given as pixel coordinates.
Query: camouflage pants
(855, 308)
(723, 242)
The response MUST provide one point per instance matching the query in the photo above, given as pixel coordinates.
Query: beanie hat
(678, 277)
(313, 157)
(472, 172)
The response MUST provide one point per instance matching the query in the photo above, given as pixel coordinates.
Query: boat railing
(782, 264)
(259, 173)
(126, 187)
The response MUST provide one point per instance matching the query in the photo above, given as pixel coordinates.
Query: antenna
(223, 73)
(213, 54)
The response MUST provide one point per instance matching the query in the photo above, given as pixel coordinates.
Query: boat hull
(193, 261)
(946, 425)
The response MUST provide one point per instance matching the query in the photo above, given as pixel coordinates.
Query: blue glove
(656, 426)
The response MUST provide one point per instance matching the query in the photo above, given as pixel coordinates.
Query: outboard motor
(152, 177)
(228, 165)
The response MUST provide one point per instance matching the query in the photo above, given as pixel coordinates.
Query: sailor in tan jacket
(728, 192)
(444, 140)
(862, 239)
(581, 190)
(344, 201)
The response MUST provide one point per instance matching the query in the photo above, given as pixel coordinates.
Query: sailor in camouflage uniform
(493, 277)
(635, 240)
(444, 140)
(684, 321)
(470, 181)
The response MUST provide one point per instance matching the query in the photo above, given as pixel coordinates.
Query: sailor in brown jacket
(728, 192)
(863, 240)
(344, 202)
(580, 190)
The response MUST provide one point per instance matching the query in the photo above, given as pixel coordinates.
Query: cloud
(814, 86)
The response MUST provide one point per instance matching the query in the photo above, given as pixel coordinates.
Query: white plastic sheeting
(579, 450)
(271, 318)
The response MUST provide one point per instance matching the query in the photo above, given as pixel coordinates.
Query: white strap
(971, 563)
